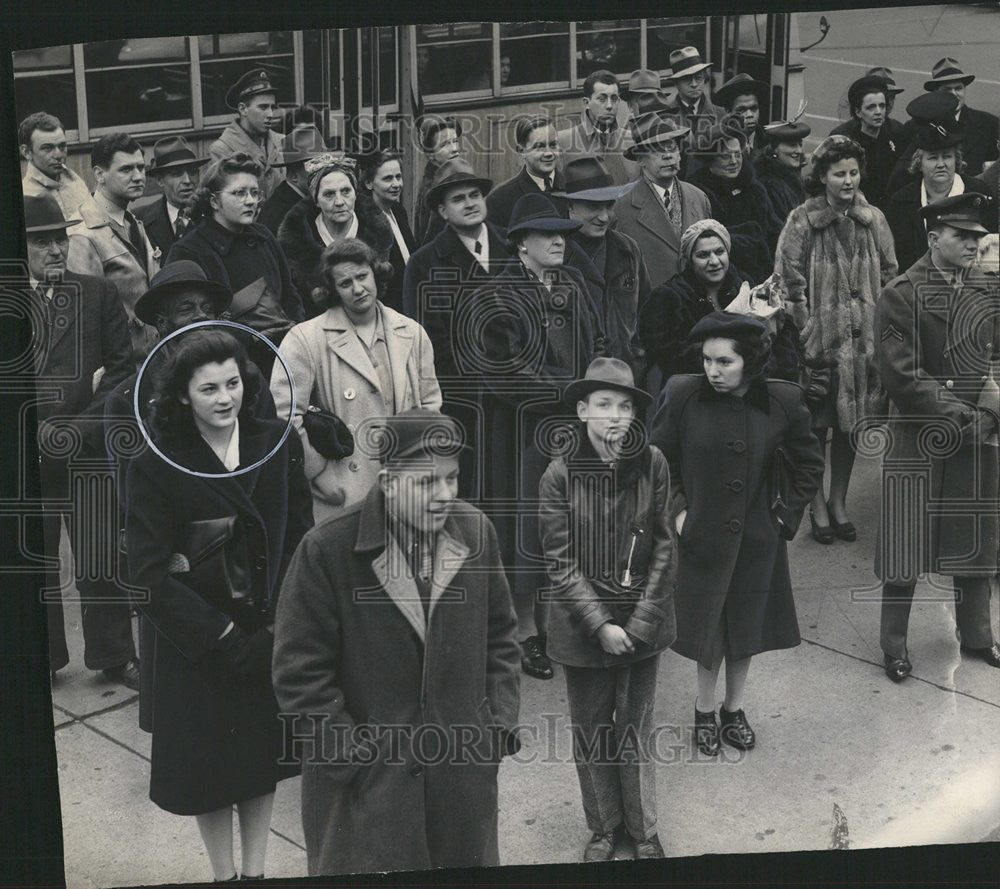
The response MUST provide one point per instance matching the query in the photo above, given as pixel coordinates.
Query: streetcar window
(226, 57)
(454, 58)
(611, 45)
(44, 80)
(537, 52)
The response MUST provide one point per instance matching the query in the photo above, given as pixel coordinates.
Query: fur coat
(835, 267)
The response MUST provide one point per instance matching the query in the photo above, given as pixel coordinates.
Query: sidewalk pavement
(909, 764)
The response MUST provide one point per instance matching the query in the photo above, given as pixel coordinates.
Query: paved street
(909, 764)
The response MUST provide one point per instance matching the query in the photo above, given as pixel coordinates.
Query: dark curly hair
(215, 177)
(169, 417)
(348, 250)
(820, 165)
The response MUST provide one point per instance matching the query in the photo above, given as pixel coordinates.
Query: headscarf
(695, 231)
(319, 168)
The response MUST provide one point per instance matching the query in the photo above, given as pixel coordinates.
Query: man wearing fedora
(610, 261)
(175, 166)
(982, 129)
(42, 143)
(599, 131)
(692, 108)
(112, 242)
(937, 343)
(645, 93)
(742, 97)
(82, 352)
(395, 666)
(303, 144)
(536, 142)
(533, 329)
(253, 98)
(658, 210)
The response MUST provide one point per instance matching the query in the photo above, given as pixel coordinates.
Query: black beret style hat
(725, 324)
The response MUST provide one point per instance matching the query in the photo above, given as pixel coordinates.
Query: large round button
(949, 384)
(260, 563)
(735, 525)
(417, 770)
(350, 394)
(739, 447)
(353, 466)
(735, 485)
(856, 332)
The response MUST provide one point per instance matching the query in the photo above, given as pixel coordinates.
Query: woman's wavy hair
(170, 418)
(918, 158)
(372, 162)
(754, 348)
(348, 250)
(215, 177)
(822, 161)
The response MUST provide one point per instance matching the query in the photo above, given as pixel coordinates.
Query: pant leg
(591, 692)
(634, 701)
(972, 611)
(58, 650)
(896, 602)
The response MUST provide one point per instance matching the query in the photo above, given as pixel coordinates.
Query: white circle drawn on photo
(188, 329)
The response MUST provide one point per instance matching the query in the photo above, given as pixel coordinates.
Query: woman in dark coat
(779, 166)
(216, 734)
(241, 254)
(721, 433)
(333, 212)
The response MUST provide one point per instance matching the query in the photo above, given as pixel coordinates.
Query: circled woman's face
(387, 183)
(356, 286)
(723, 364)
(841, 181)
(710, 260)
(335, 198)
(215, 394)
(235, 205)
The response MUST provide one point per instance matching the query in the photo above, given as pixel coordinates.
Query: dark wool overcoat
(934, 350)
(720, 449)
(589, 516)
(436, 693)
(216, 738)
(834, 267)
(783, 185)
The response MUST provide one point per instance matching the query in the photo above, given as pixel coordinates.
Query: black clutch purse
(215, 561)
(782, 473)
(328, 434)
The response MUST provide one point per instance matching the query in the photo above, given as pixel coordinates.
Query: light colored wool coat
(835, 267)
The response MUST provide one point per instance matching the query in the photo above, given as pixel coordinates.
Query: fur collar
(821, 214)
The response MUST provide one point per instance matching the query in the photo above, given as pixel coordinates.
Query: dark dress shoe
(706, 733)
(843, 530)
(127, 674)
(650, 848)
(821, 533)
(897, 668)
(735, 730)
(602, 845)
(991, 655)
(534, 661)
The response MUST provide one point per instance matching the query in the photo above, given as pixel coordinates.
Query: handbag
(782, 473)
(216, 561)
(328, 434)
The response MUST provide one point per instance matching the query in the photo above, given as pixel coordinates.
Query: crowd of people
(393, 463)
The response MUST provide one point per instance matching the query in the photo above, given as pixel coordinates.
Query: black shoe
(897, 668)
(821, 533)
(843, 530)
(534, 661)
(127, 674)
(991, 655)
(602, 845)
(650, 848)
(735, 730)
(706, 733)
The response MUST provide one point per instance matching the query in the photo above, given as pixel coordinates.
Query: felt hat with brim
(301, 144)
(685, 62)
(786, 131)
(887, 76)
(741, 85)
(727, 325)
(730, 127)
(418, 434)
(861, 87)
(535, 212)
(651, 131)
(946, 71)
(646, 103)
(456, 171)
(645, 80)
(587, 179)
(173, 153)
(42, 213)
(250, 84)
(606, 373)
(963, 211)
(184, 274)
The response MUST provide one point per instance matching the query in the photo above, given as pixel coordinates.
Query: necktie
(133, 234)
(48, 318)
(180, 225)
(673, 212)
(478, 249)
(548, 185)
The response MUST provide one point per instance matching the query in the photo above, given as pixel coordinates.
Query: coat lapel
(344, 343)
(394, 575)
(449, 556)
(399, 344)
(651, 216)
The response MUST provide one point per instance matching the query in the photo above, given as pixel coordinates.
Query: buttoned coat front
(355, 654)
(720, 449)
(934, 350)
(642, 217)
(331, 370)
(235, 140)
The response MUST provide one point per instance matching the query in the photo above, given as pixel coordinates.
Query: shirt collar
(172, 212)
(324, 232)
(539, 182)
(482, 236)
(661, 192)
(231, 459)
(116, 213)
(32, 172)
(957, 187)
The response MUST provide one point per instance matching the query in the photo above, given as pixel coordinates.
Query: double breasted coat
(435, 692)
(331, 370)
(935, 345)
(733, 565)
(642, 217)
(216, 738)
(834, 267)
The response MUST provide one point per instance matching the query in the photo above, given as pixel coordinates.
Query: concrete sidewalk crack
(110, 709)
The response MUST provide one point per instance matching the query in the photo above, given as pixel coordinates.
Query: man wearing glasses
(692, 108)
(599, 132)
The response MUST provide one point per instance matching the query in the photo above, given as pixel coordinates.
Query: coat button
(736, 404)
(855, 294)
(353, 466)
(260, 563)
(417, 770)
(949, 384)
(735, 485)
(350, 394)
(856, 332)
(735, 525)
(739, 447)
